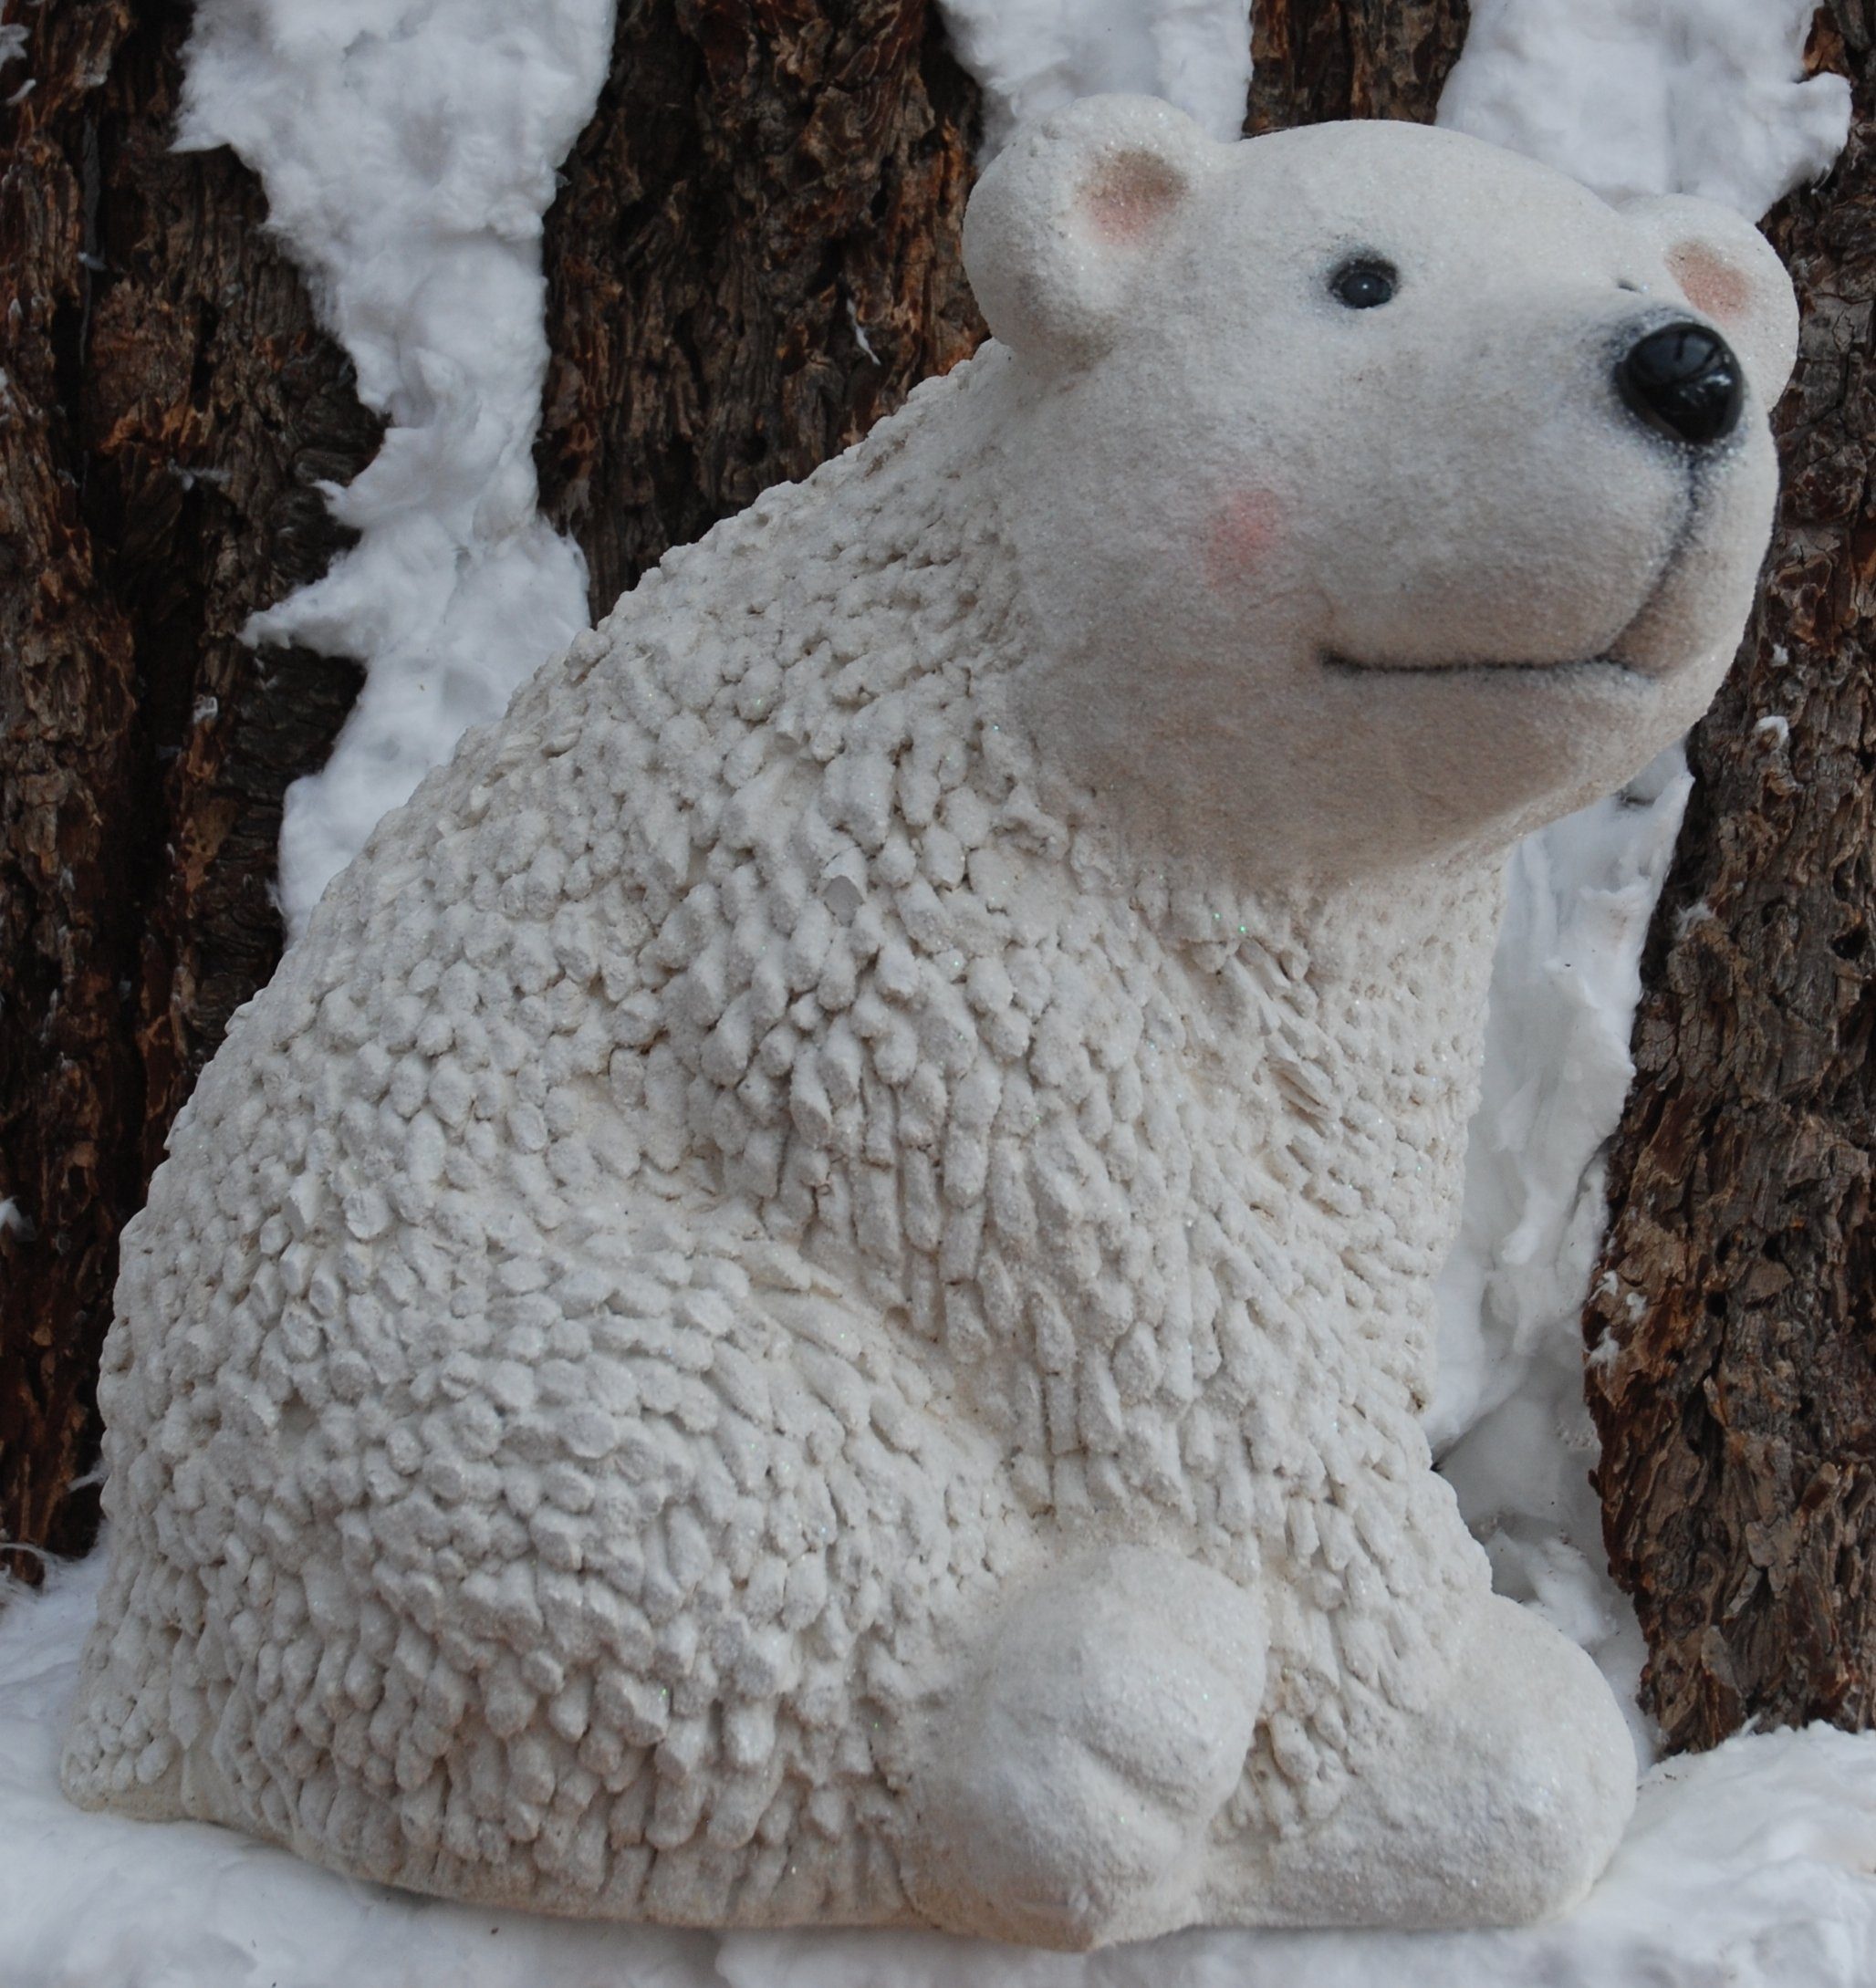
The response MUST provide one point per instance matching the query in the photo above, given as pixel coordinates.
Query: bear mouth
(1339, 664)
(1610, 662)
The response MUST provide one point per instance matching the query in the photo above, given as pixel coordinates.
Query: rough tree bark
(754, 257)
(167, 405)
(1318, 59)
(1733, 1325)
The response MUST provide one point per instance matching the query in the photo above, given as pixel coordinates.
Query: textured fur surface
(793, 1309)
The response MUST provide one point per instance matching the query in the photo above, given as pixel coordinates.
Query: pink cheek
(1709, 282)
(1242, 536)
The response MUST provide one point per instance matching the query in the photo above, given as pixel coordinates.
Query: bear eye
(1364, 283)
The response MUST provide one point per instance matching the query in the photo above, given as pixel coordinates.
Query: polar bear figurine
(808, 1300)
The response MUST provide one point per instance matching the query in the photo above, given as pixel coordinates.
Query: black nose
(1684, 383)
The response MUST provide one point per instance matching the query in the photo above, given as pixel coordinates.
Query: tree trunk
(1318, 59)
(1732, 1326)
(167, 406)
(754, 257)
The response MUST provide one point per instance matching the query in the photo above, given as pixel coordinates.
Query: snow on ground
(407, 148)
(1749, 1867)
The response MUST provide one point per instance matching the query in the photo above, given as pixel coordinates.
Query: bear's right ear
(1065, 218)
(1725, 268)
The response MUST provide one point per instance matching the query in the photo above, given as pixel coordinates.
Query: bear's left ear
(1729, 272)
(1066, 216)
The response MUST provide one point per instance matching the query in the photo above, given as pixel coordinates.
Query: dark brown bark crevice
(169, 405)
(1319, 59)
(1733, 1322)
(754, 256)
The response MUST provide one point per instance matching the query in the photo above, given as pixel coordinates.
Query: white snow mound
(408, 153)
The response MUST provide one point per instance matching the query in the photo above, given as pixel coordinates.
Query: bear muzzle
(1681, 381)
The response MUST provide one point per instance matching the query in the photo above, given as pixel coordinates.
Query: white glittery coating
(809, 1301)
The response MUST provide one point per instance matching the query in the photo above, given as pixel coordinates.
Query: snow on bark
(408, 154)
(1705, 97)
(1034, 56)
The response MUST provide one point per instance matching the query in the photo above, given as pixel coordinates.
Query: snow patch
(408, 149)
(1705, 97)
(1035, 56)
(1508, 1412)
(1749, 1866)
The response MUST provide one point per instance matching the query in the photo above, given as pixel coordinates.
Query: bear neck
(1422, 935)
(855, 636)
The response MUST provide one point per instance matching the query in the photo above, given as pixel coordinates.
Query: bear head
(1376, 494)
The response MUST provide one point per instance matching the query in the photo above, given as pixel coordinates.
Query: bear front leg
(1071, 1773)
(1496, 1803)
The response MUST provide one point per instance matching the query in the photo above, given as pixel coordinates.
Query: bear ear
(1728, 271)
(1066, 217)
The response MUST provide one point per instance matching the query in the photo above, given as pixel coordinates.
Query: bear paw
(1070, 1779)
